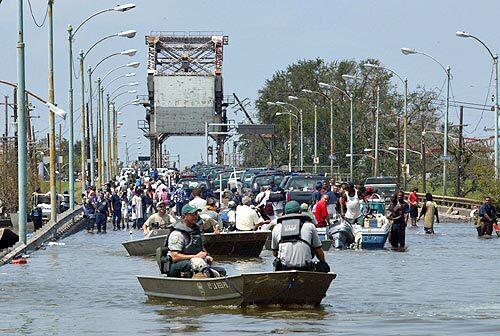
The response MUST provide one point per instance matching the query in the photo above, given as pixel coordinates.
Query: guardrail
(455, 202)
(67, 221)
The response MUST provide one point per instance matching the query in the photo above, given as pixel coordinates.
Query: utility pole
(424, 156)
(458, 190)
(52, 126)
(376, 132)
(21, 125)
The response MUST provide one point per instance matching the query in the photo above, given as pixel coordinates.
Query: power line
(33, 16)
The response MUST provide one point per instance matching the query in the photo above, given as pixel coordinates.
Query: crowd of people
(150, 202)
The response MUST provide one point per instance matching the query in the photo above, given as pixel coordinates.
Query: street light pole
(84, 121)
(290, 144)
(315, 138)
(71, 35)
(447, 70)
(52, 121)
(91, 137)
(376, 132)
(445, 149)
(21, 123)
(351, 137)
(108, 121)
(405, 120)
(71, 163)
(331, 137)
(494, 57)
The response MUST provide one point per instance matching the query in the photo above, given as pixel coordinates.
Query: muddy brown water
(443, 285)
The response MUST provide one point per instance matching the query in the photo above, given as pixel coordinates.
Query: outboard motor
(342, 235)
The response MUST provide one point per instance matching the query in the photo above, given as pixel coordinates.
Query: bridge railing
(454, 202)
(66, 222)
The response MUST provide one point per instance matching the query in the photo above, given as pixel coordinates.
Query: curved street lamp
(405, 116)
(71, 36)
(494, 57)
(301, 131)
(447, 70)
(349, 96)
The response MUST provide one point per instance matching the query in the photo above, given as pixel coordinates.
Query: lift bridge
(185, 88)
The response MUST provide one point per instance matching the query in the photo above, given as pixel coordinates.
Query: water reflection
(444, 284)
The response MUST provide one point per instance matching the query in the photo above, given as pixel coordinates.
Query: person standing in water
(350, 203)
(413, 201)
(398, 214)
(429, 212)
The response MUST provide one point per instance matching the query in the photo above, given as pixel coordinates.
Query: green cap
(292, 207)
(188, 209)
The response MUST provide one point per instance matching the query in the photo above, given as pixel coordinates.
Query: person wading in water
(429, 212)
(398, 214)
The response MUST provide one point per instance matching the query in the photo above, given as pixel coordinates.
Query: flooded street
(446, 285)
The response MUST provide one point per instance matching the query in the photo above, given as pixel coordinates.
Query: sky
(264, 36)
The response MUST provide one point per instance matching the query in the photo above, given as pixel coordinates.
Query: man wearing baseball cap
(185, 243)
(295, 242)
(159, 220)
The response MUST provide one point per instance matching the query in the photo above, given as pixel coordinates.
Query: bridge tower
(185, 87)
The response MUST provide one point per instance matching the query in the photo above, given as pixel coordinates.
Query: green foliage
(307, 74)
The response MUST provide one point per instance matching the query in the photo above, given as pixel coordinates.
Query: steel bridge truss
(185, 53)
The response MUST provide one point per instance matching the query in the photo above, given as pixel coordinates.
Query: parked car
(271, 178)
(385, 186)
(300, 187)
(188, 184)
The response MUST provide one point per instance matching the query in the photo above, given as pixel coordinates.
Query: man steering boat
(185, 247)
(295, 242)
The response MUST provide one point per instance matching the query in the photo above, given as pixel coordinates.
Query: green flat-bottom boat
(230, 244)
(265, 288)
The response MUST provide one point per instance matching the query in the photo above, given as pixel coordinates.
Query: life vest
(291, 226)
(195, 244)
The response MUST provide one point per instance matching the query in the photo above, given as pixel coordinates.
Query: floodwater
(443, 285)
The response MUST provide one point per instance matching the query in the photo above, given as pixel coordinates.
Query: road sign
(405, 169)
(445, 157)
(255, 129)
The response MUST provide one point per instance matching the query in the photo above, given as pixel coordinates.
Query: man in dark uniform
(36, 215)
(116, 208)
(184, 243)
(102, 213)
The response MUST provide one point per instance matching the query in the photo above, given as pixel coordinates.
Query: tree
(307, 74)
